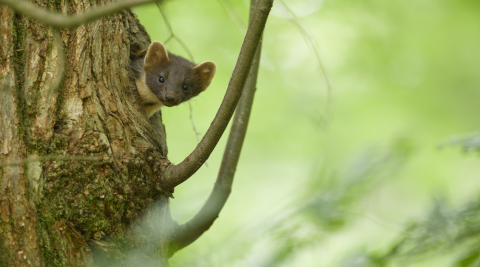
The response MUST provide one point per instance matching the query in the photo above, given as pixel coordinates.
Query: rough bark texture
(72, 213)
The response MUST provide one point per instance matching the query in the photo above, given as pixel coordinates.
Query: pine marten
(165, 79)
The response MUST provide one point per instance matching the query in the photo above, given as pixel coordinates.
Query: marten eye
(185, 87)
(161, 79)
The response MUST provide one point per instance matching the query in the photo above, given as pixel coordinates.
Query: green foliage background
(342, 188)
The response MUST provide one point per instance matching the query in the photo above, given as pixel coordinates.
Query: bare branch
(193, 229)
(57, 20)
(177, 174)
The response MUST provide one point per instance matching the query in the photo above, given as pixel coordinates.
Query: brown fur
(176, 72)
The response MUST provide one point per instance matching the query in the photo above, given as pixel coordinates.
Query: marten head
(173, 79)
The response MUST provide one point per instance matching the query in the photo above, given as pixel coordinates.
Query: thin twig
(312, 45)
(165, 19)
(172, 34)
(233, 14)
(197, 134)
(57, 20)
(52, 157)
(168, 40)
(201, 222)
(177, 174)
(193, 122)
(185, 48)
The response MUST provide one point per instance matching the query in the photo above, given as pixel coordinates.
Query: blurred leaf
(338, 197)
(467, 143)
(445, 231)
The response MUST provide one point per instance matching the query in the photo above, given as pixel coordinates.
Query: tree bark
(65, 212)
(84, 178)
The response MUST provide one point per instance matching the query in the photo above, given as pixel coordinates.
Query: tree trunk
(65, 212)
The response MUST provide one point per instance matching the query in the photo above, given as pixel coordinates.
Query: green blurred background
(339, 187)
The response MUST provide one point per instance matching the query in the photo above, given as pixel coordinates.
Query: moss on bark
(73, 206)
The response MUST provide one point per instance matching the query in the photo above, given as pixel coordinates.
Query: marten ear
(156, 55)
(205, 71)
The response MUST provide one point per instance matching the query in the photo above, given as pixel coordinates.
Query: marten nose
(169, 97)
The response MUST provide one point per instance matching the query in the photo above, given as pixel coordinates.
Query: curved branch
(203, 220)
(57, 20)
(177, 174)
